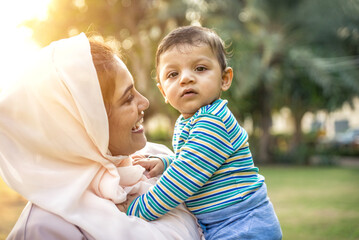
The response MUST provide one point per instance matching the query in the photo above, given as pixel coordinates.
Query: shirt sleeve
(204, 152)
(167, 160)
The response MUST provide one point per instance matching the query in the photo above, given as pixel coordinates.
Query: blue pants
(253, 218)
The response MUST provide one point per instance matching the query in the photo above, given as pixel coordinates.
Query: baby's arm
(200, 157)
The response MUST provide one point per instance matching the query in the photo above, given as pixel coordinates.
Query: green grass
(315, 203)
(311, 203)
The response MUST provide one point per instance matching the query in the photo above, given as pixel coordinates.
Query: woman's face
(126, 115)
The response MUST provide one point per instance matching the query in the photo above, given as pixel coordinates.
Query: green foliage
(297, 54)
(290, 54)
(135, 26)
(300, 155)
(160, 135)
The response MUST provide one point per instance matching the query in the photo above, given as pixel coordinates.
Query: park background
(295, 89)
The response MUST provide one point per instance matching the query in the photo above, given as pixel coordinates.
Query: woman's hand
(154, 166)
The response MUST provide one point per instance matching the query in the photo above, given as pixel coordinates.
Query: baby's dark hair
(195, 36)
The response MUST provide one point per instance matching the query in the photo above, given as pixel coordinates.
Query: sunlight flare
(16, 44)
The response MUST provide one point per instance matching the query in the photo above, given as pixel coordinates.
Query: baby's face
(190, 77)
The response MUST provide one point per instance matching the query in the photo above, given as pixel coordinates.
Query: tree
(317, 73)
(285, 53)
(135, 26)
(259, 35)
(284, 57)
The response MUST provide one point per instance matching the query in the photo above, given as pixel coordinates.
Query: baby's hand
(154, 166)
(122, 207)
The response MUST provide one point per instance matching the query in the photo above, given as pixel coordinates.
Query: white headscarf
(54, 149)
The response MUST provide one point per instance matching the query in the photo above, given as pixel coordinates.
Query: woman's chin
(140, 143)
(129, 147)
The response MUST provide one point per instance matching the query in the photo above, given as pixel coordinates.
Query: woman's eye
(130, 98)
(172, 74)
(200, 69)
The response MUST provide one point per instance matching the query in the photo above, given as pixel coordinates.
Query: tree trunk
(264, 141)
(297, 136)
(265, 125)
(298, 148)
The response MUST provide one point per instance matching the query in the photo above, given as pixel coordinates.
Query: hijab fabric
(54, 137)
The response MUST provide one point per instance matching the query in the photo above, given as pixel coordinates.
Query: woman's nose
(143, 103)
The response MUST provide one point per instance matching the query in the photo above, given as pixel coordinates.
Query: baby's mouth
(188, 92)
(138, 126)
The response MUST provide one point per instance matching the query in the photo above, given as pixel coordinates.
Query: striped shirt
(212, 167)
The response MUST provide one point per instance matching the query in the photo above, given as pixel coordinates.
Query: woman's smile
(138, 128)
(126, 115)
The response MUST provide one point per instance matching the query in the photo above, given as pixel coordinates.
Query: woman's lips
(138, 128)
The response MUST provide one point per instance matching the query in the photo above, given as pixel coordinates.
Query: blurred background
(295, 88)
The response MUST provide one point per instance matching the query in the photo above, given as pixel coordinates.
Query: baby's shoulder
(217, 108)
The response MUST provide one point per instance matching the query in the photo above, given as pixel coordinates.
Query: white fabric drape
(53, 149)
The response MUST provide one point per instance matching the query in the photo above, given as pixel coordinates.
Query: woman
(66, 131)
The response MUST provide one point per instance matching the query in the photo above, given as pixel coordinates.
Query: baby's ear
(227, 78)
(162, 92)
(161, 89)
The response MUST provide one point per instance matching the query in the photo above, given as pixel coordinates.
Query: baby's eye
(172, 74)
(200, 69)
